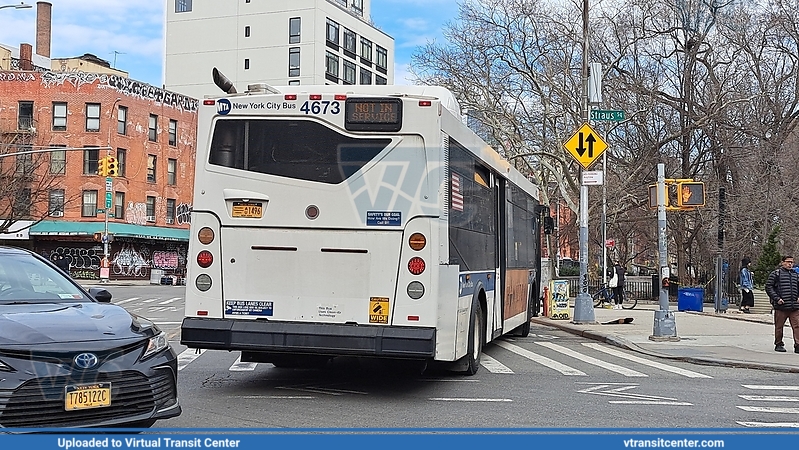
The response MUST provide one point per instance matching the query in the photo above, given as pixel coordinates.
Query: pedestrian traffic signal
(102, 166)
(98, 237)
(690, 194)
(110, 166)
(653, 196)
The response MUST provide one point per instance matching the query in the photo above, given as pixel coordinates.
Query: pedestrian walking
(62, 263)
(619, 272)
(782, 288)
(747, 286)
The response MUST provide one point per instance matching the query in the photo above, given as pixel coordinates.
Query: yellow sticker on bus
(378, 310)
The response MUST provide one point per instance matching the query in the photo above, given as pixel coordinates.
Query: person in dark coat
(62, 263)
(618, 291)
(782, 288)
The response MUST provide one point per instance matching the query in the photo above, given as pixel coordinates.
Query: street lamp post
(20, 5)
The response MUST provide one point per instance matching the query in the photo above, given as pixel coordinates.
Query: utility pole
(583, 307)
(665, 328)
(105, 266)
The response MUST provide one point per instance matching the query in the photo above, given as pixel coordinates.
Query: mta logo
(223, 106)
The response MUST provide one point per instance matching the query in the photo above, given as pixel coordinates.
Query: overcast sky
(131, 31)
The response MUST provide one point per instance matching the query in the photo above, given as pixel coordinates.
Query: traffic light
(110, 166)
(102, 166)
(690, 194)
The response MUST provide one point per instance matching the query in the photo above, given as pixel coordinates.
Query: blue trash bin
(690, 299)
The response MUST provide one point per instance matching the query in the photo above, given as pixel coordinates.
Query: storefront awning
(67, 228)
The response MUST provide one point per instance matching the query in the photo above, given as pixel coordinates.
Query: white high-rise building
(273, 41)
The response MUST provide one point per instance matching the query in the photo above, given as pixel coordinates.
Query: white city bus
(355, 220)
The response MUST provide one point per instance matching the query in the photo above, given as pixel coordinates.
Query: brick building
(151, 132)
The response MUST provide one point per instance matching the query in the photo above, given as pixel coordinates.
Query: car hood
(49, 323)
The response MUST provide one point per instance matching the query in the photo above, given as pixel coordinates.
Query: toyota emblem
(86, 360)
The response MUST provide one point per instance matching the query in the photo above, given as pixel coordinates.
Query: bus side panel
(450, 327)
(210, 300)
(516, 297)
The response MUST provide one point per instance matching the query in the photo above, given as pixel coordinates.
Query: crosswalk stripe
(591, 360)
(456, 399)
(646, 362)
(151, 300)
(187, 356)
(770, 388)
(770, 409)
(648, 402)
(239, 366)
(492, 365)
(126, 301)
(770, 424)
(769, 398)
(543, 360)
(166, 302)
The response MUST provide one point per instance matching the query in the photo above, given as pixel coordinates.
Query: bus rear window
(298, 149)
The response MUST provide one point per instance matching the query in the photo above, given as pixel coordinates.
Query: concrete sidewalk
(728, 339)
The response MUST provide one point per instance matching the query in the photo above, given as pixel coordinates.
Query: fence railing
(648, 288)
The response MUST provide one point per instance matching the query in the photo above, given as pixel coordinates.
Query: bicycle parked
(603, 298)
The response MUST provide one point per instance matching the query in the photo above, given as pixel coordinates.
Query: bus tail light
(416, 265)
(205, 235)
(202, 313)
(417, 241)
(205, 259)
(203, 283)
(415, 290)
(425, 103)
(290, 97)
(340, 97)
(209, 102)
(315, 96)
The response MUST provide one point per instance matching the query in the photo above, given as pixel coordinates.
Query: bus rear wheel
(475, 349)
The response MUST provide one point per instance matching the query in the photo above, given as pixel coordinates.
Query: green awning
(67, 228)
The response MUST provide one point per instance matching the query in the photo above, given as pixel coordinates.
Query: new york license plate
(248, 210)
(85, 396)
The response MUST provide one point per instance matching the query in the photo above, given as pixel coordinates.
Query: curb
(626, 344)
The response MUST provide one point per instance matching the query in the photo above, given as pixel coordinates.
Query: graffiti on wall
(136, 213)
(123, 85)
(79, 258)
(183, 213)
(17, 76)
(131, 262)
(165, 260)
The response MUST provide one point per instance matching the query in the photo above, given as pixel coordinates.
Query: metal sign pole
(664, 327)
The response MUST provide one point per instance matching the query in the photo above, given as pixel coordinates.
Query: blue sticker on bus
(248, 308)
(384, 218)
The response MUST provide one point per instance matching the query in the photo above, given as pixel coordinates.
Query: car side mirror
(549, 225)
(100, 294)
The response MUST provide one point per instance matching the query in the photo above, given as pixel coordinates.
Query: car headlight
(5, 367)
(155, 344)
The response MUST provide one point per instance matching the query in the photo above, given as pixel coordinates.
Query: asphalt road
(550, 379)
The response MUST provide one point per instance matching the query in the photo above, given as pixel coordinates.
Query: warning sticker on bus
(384, 218)
(248, 308)
(378, 310)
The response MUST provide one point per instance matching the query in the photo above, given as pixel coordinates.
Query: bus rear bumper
(308, 338)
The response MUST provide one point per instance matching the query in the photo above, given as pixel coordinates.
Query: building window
(122, 158)
(331, 67)
(92, 117)
(58, 161)
(247, 31)
(332, 34)
(119, 205)
(151, 160)
(25, 116)
(366, 51)
(246, 63)
(173, 132)
(350, 43)
(182, 6)
(294, 82)
(152, 127)
(59, 116)
(357, 6)
(366, 76)
(90, 157)
(22, 203)
(55, 203)
(382, 58)
(294, 30)
(349, 73)
(294, 61)
(89, 205)
(380, 80)
(150, 209)
(25, 162)
(171, 171)
(122, 120)
(170, 210)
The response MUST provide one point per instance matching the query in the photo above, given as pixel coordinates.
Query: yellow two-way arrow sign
(586, 145)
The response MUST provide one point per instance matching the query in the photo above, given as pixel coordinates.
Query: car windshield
(24, 278)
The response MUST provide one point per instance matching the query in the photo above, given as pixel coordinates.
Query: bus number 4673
(321, 107)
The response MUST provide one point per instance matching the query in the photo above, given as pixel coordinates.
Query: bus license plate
(85, 396)
(248, 210)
